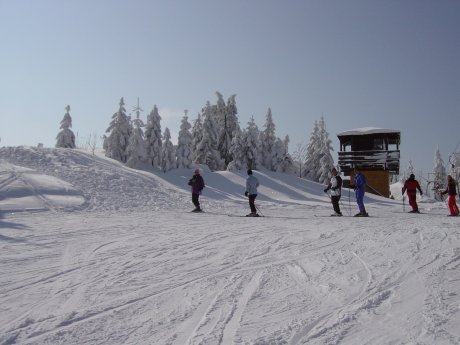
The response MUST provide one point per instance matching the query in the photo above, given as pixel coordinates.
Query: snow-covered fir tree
(326, 162)
(65, 137)
(282, 160)
(310, 169)
(227, 123)
(439, 170)
(237, 150)
(206, 150)
(136, 151)
(184, 144)
(197, 136)
(267, 143)
(116, 143)
(251, 145)
(168, 155)
(278, 155)
(153, 138)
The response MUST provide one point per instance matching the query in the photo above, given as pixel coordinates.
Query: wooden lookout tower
(375, 151)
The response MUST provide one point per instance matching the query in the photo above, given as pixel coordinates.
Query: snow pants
(453, 208)
(252, 205)
(196, 200)
(413, 201)
(359, 193)
(335, 203)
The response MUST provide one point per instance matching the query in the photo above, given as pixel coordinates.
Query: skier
(251, 192)
(197, 184)
(411, 185)
(451, 190)
(335, 186)
(360, 188)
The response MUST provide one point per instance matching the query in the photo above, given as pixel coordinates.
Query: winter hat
(197, 171)
(412, 176)
(249, 172)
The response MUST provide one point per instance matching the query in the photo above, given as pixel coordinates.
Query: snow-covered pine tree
(153, 138)
(168, 155)
(184, 144)
(206, 150)
(116, 143)
(65, 137)
(268, 139)
(310, 169)
(252, 146)
(439, 170)
(282, 160)
(197, 136)
(286, 142)
(278, 154)
(136, 152)
(326, 162)
(237, 150)
(227, 123)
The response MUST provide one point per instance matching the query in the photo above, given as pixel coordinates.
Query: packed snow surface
(93, 252)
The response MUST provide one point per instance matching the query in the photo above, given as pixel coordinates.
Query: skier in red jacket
(411, 185)
(452, 192)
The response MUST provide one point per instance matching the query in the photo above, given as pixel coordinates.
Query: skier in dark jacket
(360, 188)
(411, 185)
(251, 192)
(335, 186)
(451, 190)
(197, 184)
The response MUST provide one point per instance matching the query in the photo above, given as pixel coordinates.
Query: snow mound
(26, 189)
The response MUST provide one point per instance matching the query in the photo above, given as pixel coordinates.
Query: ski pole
(258, 209)
(349, 201)
(404, 204)
(349, 210)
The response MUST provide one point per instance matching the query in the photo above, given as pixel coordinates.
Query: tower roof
(367, 131)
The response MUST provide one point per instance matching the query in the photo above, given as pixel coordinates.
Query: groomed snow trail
(113, 274)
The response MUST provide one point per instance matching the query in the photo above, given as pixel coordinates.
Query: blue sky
(391, 64)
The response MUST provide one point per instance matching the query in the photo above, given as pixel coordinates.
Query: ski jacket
(411, 185)
(451, 188)
(251, 185)
(360, 182)
(197, 184)
(335, 186)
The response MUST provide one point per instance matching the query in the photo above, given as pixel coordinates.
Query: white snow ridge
(93, 252)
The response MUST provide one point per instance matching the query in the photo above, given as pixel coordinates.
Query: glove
(246, 193)
(421, 193)
(325, 190)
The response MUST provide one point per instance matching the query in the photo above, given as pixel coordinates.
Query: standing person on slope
(335, 186)
(360, 188)
(452, 192)
(197, 184)
(251, 192)
(411, 185)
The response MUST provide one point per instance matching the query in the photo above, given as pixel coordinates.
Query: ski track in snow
(129, 266)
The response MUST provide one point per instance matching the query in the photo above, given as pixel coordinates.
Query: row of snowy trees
(215, 139)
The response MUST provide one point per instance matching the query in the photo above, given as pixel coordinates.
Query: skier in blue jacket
(360, 189)
(251, 192)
